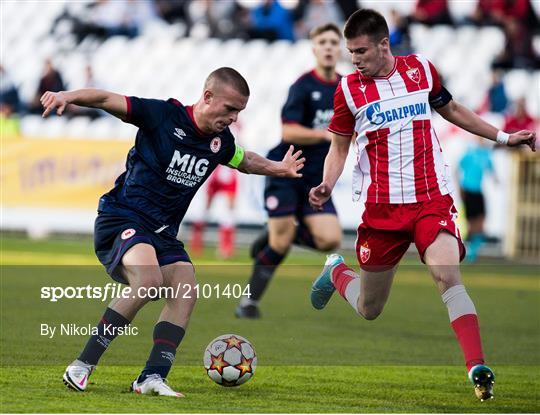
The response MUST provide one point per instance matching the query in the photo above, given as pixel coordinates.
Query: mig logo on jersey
(322, 118)
(378, 117)
(186, 169)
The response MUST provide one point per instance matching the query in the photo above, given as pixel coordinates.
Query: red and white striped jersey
(399, 158)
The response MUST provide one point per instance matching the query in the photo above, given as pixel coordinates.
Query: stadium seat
(462, 55)
(533, 97)
(490, 39)
(461, 9)
(123, 131)
(78, 127)
(31, 125)
(53, 127)
(518, 82)
(102, 128)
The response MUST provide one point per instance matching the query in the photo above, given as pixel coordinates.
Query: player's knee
(446, 276)
(281, 243)
(327, 244)
(180, 288)
(281, 235)
(183, 304)
(187, 297)
(152, 281)
(370, 312)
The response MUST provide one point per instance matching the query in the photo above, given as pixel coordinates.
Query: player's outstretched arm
(463, 117)
(333, 167)
(114, 104)
(294, 133)
(252, 163)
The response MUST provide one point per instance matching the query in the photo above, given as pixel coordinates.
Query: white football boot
(154, 385)
(77, 374)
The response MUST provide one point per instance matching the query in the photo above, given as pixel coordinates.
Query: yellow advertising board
(67, 173)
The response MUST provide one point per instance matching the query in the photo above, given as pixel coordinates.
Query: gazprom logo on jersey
(378, 117)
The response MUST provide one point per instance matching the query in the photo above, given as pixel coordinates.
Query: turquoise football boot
(323, 288)
(483, 378)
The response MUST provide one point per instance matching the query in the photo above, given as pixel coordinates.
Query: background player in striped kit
(305, 117)
(403, 180)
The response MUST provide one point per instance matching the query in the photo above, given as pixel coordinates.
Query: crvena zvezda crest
(414, 74)
(365, 252)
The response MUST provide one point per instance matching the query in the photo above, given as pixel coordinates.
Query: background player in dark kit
(305, 117)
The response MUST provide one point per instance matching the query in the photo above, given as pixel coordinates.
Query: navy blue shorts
(114, 235)
(283, 197)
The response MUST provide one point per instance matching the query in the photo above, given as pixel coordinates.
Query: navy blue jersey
(169, 162)
(310, 103)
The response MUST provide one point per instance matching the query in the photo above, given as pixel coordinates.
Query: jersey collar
(199, 132)
(315, 75)
(382, 77)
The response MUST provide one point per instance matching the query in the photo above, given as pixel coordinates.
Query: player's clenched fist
(319, 195)
(523, 137)
(51, 100)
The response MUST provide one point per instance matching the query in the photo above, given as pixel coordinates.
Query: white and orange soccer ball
(230, 360)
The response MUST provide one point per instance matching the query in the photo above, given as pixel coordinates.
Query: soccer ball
(230, 360)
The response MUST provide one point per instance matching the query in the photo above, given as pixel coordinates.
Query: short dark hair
(230, 77)
(366, 22)
(328, 27)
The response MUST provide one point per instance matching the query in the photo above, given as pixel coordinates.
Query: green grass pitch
(309, 361)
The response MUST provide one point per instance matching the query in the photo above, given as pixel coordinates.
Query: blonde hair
(316, 31)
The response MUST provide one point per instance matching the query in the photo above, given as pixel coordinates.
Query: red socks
(465, 324)
(347, 283)
(468, 334)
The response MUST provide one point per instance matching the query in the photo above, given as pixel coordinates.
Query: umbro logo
(168, 355)
(161, 229)
(179, 133)
(104, 341)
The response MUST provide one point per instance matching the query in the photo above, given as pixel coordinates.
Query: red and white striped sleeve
(439, 95)
(436, 87)
(342, 122)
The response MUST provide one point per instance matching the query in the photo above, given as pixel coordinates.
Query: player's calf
(107, 330)
(259, 244)
(174, 318)
(374, 292)
(266, 263)
(167, 337)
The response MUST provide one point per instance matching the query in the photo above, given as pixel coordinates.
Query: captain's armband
(441, 99)
(239, 153)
